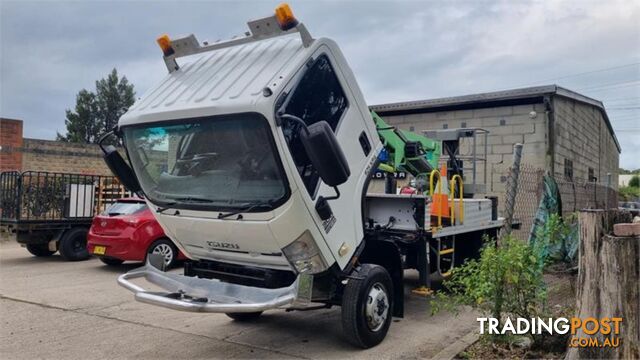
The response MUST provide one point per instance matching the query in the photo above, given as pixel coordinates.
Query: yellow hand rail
(431, 177)
(431, 182)
(452, 187)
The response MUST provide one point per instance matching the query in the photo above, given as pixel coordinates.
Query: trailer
(256, 158)
(51, 211)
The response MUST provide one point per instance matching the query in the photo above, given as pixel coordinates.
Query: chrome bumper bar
(203, 295)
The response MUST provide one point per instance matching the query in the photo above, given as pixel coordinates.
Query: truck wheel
(40, 250)
(241, 317)
(367, 303)
(168, 251)
(111, 261)
(73, 244)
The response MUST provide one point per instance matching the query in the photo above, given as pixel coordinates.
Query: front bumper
(204, 295)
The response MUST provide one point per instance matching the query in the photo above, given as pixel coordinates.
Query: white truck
(256, 158)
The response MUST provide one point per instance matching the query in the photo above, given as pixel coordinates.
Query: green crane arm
(405, 150)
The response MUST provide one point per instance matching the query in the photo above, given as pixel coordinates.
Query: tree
(114, 97)
(97, 113)
(81, 123)
(635, 181)
(626, 171)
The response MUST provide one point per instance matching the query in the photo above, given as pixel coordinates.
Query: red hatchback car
(127, 231)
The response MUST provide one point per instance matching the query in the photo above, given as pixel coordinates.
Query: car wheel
(367, 304)
(39, 250)
(242, 317)
(111, 261)
(166, 249)
(73, 244)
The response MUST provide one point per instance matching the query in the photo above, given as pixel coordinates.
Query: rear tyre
(245, 317)
(73, 244)
(40, 250)
(367, 304)
(111, 261)
(167, 250)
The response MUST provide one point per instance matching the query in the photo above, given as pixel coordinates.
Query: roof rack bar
(260, 29)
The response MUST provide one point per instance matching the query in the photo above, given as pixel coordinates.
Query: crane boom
(405, 150)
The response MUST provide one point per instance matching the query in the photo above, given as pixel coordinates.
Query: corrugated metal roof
(490, 99)
(233, 74)
(512, 94)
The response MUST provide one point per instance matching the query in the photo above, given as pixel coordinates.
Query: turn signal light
(285, 17)
(165, 45)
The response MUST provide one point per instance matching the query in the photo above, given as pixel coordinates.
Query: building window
(592, 176)
(445, 126)
(412, 128)
(568, 169)
(503, 122)
(463, 124)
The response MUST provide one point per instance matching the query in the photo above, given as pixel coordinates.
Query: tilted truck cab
(208, 141)
(256, 157)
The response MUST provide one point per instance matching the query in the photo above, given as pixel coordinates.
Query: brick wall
(10, 144)
(582, 136)
(56, 156)
(23, 154)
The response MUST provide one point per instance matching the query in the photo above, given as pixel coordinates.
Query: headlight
(304, 255)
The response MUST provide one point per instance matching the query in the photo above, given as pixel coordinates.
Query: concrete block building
(563, 132)
(18, 153)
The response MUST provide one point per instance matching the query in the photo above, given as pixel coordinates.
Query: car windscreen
(219, 162)
(124, 208)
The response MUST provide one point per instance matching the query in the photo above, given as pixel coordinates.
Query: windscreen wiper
(246, 208)
(175, 200)
(167, 206)
(192, 199)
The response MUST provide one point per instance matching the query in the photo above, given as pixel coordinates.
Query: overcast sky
(403, 50)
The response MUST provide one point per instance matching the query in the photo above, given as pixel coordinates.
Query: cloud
(400, 50)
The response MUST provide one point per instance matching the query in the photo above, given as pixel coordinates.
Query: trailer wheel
(367, 303)
(111, 261)
(73, 244)
(244, 317)
(39, 250)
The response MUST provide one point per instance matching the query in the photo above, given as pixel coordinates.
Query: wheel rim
(166, 252)
(377, 307)
(79, 243)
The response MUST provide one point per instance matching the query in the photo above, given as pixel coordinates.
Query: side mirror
(120, 168)
(325, 153)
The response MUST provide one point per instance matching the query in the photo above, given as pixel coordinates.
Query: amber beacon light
(285, 17)
(165, 44)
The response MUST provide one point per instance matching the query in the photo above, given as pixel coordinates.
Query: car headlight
(304, 255)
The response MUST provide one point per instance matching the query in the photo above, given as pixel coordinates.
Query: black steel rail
(54, 198)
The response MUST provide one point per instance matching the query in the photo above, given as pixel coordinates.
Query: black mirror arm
(337, 196)
(115, 131)
(102, 139)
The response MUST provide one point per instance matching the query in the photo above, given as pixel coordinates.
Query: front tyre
(367, 303)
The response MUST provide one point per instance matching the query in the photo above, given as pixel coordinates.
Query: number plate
(99, 250)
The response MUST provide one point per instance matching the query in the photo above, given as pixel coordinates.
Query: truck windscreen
(217, 163)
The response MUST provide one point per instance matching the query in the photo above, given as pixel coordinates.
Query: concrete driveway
(50, 308)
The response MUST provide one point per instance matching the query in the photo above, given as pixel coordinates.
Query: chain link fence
(575, 194)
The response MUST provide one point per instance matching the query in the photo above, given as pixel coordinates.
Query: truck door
(320, 93)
